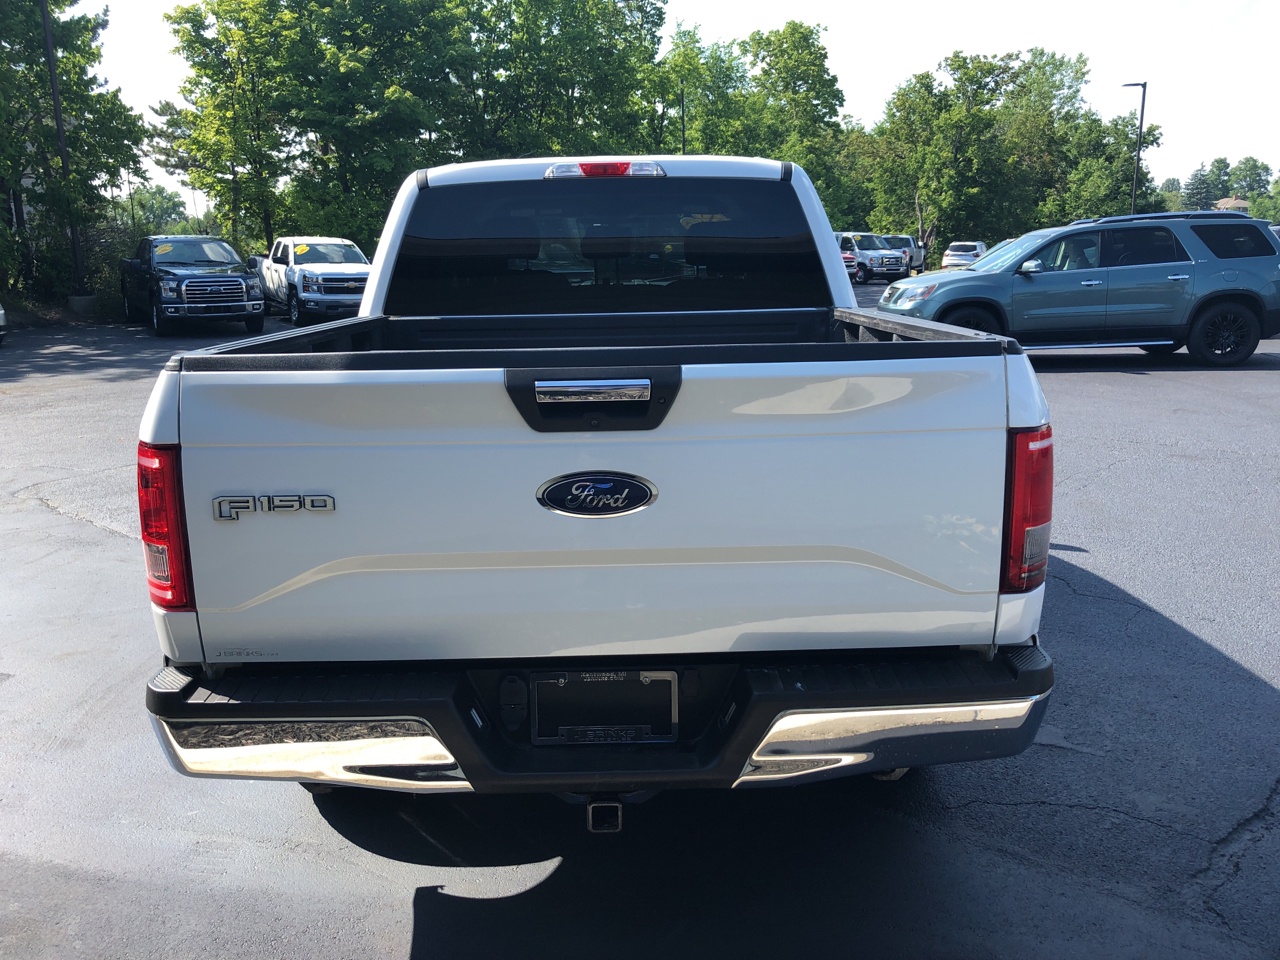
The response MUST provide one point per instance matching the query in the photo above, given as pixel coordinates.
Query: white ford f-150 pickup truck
(602, 493)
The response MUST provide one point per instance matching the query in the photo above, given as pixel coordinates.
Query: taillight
(164, 533)
(1028, 509)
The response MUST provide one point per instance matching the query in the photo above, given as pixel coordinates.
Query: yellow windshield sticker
(164, 248)
(691, 219)
(301, 248)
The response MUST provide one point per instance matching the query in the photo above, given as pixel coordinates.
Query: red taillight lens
(604, 169)
(164, 534)
(1028, 509)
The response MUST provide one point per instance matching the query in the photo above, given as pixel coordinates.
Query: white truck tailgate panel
(800, 506)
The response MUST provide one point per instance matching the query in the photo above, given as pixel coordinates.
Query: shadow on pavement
(106, 351)
(1141, 823)
(1136, 362)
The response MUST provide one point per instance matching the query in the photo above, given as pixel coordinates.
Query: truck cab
(314, 279)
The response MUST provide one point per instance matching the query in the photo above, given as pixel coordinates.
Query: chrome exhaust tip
(387, 754)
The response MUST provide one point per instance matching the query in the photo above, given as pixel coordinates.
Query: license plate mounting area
(604, 706)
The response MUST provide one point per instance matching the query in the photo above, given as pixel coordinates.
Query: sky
(1211, 94)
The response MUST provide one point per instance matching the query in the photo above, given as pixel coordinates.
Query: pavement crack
(1139, 605)
(1227, 852)
(71, 516)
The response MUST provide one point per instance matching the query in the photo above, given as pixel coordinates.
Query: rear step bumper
(772, 721)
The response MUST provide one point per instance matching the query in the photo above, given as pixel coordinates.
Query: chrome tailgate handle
(581, 391)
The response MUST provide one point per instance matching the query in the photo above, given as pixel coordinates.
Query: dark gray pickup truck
(170, 278)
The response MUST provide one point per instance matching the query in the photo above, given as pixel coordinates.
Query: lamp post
(1137, 162)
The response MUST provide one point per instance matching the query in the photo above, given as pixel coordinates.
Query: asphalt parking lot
(1144, 822)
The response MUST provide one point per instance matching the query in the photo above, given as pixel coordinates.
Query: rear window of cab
(1234, 241)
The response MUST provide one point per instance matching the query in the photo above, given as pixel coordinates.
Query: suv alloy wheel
(1224, 335)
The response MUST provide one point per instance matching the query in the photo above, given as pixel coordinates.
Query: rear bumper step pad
(782, 719)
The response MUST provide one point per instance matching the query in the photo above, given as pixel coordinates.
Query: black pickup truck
(173, 277)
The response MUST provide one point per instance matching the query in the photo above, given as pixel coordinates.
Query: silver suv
(866, 255)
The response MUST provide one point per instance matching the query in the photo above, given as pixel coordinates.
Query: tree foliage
(1249, 177)
(1198, 191)
(38, 203)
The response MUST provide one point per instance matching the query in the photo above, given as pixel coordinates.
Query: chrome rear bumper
(814, 744)
(389, 754)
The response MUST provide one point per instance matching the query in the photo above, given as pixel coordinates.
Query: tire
(1162, 349)
(973, 318)
(861, 275)
(295, 309)
(255, 324)
(1224, 335)
(161, 326)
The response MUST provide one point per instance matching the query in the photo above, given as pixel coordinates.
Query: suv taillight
(1028, 509)
(164, 533)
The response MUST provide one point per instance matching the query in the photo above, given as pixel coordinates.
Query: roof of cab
(488, 171)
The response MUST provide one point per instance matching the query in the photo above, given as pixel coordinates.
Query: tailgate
(803, 505)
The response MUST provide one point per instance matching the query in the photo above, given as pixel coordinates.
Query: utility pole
(1137, 162)
(62, 144)
(682, 117)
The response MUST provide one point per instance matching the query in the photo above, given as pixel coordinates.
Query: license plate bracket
(604, 706)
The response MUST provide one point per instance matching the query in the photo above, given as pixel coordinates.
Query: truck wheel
(295, 309)
(973, 318)
(1162, 349)
(861, 274)
(161, 325)
(1224, 335)
(254, 324)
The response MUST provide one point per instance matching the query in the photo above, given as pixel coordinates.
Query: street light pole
(1137, 162)
(77, 259)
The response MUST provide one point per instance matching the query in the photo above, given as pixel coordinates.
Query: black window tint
(1138, 245)
(617, 245)
(846, 243)
(143, 252)
(1233, 241)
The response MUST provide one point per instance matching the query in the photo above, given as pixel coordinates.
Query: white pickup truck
(603, 493)
(313, 278)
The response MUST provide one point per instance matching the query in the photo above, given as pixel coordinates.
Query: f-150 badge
(230, 508)
(597, 494)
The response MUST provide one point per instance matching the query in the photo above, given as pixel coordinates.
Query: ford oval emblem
(597, 494)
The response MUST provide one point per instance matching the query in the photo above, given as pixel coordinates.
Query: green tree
(367, 80)
(232, 140)
(1198, 191)
(1218, 179)
(1249, 177)
(38, 203)
(1266, 206)
(152, 208)
(547, 77)
(1171, 185)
